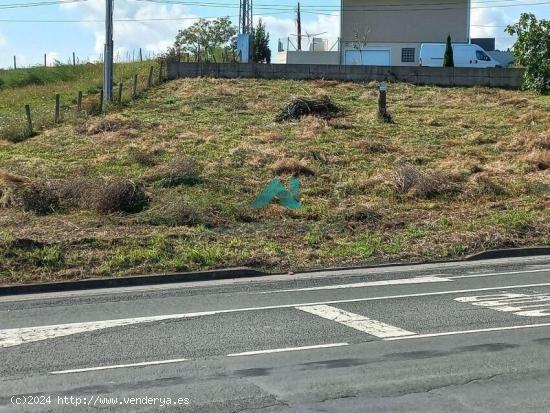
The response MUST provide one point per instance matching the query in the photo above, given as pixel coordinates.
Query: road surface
(439, 337)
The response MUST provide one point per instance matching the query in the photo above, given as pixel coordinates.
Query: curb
(238, 272)
(93, 283)
(509, 253)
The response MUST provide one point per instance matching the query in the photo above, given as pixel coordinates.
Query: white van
(464, 55)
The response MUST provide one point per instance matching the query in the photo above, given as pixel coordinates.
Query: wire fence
(54, 59)
(33, 110)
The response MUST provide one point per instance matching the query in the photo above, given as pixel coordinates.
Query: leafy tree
(205, 37)
(532, 50)
(261, 53)
(448, 58)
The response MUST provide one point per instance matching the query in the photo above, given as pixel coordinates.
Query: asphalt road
(441, 337)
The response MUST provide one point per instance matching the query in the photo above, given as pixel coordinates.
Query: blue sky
(30, 40)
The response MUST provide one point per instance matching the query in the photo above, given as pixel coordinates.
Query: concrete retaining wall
(505, 78)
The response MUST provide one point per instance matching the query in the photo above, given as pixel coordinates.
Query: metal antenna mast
(108, 53)
(245, 16)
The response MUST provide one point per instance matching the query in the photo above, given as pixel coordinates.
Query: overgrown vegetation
(532, 50)
(37, 87)
(167, 183)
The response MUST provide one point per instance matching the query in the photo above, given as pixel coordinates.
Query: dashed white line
(281, 350)
(481, 330)
(119, 366)
(356, 321)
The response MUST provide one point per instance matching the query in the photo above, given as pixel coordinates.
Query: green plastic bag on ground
(289, 198)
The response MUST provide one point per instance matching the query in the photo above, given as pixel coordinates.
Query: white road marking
(482, 330)
(526, 305)
(412, 280)
(17, 336)
(356, 321)
(119, 366)
(281, 350)
(490, 274)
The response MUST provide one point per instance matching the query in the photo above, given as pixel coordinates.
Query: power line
(45, 3)
(282, 6)
(409, 7)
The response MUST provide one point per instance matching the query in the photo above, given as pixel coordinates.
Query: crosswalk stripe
(356, 321)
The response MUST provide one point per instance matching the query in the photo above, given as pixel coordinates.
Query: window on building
(407, 54)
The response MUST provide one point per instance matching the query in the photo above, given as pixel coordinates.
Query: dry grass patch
(538, 159)
(532, 117)
(343, 124)
(408, 179)
(113, 124)
(531, 141)
(291, 167)
(373, 147)
(179, 171)
(483, 185)
(143, 157)
(365, 214)
(174, 214)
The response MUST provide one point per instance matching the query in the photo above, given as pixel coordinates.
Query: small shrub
(405, 177)
(181, 171)
(120, 196)
(291, 167)
(77, 192)
(39, 197)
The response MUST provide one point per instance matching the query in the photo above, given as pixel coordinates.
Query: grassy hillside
(460, 170)
(37, 87)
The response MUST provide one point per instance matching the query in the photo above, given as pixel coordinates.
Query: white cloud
(483, 22)
(153, 36)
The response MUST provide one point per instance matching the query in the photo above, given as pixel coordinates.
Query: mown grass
(460, 170)
(38, 86)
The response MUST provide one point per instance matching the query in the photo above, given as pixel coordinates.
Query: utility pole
(299, 27)
(108, 53)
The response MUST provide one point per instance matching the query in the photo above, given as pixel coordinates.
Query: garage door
(372, 57)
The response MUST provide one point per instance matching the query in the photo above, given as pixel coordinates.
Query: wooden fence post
(160, 73)
(56, 114)
(45, 61)
(14, 62)
(29, 119)
(140, 55)
(101, 101)
(79, 102)
(74, 60)
(382, 99)
(120, 93)
(134, 87)
(150, 79)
